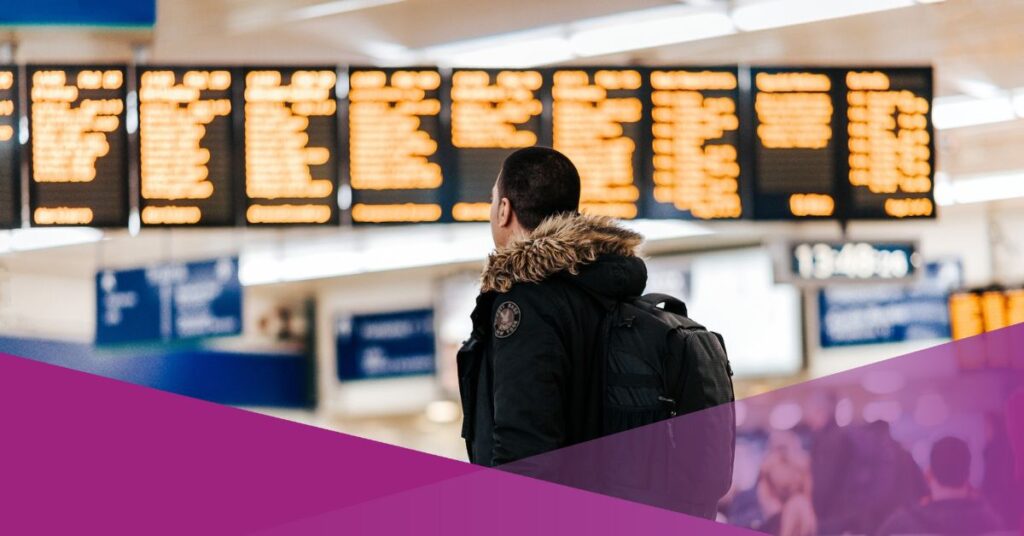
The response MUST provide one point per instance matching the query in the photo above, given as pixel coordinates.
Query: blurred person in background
(998, 485)
(953, 506)
(784, 488)
(828, 442)
(527, 378)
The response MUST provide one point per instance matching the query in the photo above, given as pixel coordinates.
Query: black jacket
(529, 375)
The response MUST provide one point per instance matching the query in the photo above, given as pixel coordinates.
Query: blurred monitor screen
(597, 122)
(696, 171)
(734, 293)
(291, 145)
(493, 112)
(186, 151)
(10, 164)
(394, 127)
(78, 168)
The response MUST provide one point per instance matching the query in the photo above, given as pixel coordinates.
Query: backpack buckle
(669, 403)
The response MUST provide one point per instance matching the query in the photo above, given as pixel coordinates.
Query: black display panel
(493, 112)
(10, 163)
(694, 166)
(597, 121)
(186, 146)
(394, 131)
(290, 149)
(889, 164)
(78, 165)
(794, 153)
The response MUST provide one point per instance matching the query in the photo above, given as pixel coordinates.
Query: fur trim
(559, 243)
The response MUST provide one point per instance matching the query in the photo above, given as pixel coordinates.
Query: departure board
(493, 112)
(185, 146)
(794, 150)
(597, 122)
(695, 147)
(78, 165)
(975, 312)
(394, 128)
(10, 164)
(890, 143)
(291, 144)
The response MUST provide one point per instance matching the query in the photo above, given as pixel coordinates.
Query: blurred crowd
(822, 478)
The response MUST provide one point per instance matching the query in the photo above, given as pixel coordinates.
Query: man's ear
(504, 212)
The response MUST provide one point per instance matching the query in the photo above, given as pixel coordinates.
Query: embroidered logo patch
(506, 319)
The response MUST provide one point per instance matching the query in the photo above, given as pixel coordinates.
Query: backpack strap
(672, 305)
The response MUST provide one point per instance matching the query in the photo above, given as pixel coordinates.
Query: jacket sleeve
(530, 363)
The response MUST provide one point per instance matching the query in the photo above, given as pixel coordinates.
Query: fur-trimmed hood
(571, 244)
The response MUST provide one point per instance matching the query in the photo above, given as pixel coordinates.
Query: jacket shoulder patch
(506, 319)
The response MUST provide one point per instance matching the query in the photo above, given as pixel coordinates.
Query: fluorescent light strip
(656, 32)
(519, 49)
(982, 188)
(778, 13)
(640, 29)
(337, 7)
(957, 112)
(43, 238)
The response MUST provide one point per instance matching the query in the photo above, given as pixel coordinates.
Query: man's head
(949, 468)
(534, 183)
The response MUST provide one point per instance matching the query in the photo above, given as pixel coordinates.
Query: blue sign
(386, 345)
(169, 302)
(119, 13)
(871, 314)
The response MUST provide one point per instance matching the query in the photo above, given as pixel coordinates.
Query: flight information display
(890, 143)
(975, 312)
(78, 166)
(493, 112)
(394, 128)
(10, 165)
(291, 144)
(794, 150)
(695, 146)
(186, 146)
(597, 122)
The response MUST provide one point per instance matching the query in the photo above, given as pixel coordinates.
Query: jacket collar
(559, 244)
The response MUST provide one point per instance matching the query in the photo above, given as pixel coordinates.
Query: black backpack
(660, 364)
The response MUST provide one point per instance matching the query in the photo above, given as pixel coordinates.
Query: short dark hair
(539, 182)
(950, 462)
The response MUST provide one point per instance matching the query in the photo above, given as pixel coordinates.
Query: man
(954, 507)
(529, 373)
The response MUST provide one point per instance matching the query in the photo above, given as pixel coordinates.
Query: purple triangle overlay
(844, 453)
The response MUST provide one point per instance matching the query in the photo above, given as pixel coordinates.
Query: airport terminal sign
(167, 302)
(385, 345)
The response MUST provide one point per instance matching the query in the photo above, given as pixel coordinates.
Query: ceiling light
(326, 9)
(522, 49)
(956, 112)
(43, 238)
(657, 31)
(778, 13)
(983, 188)
(1018, 102)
